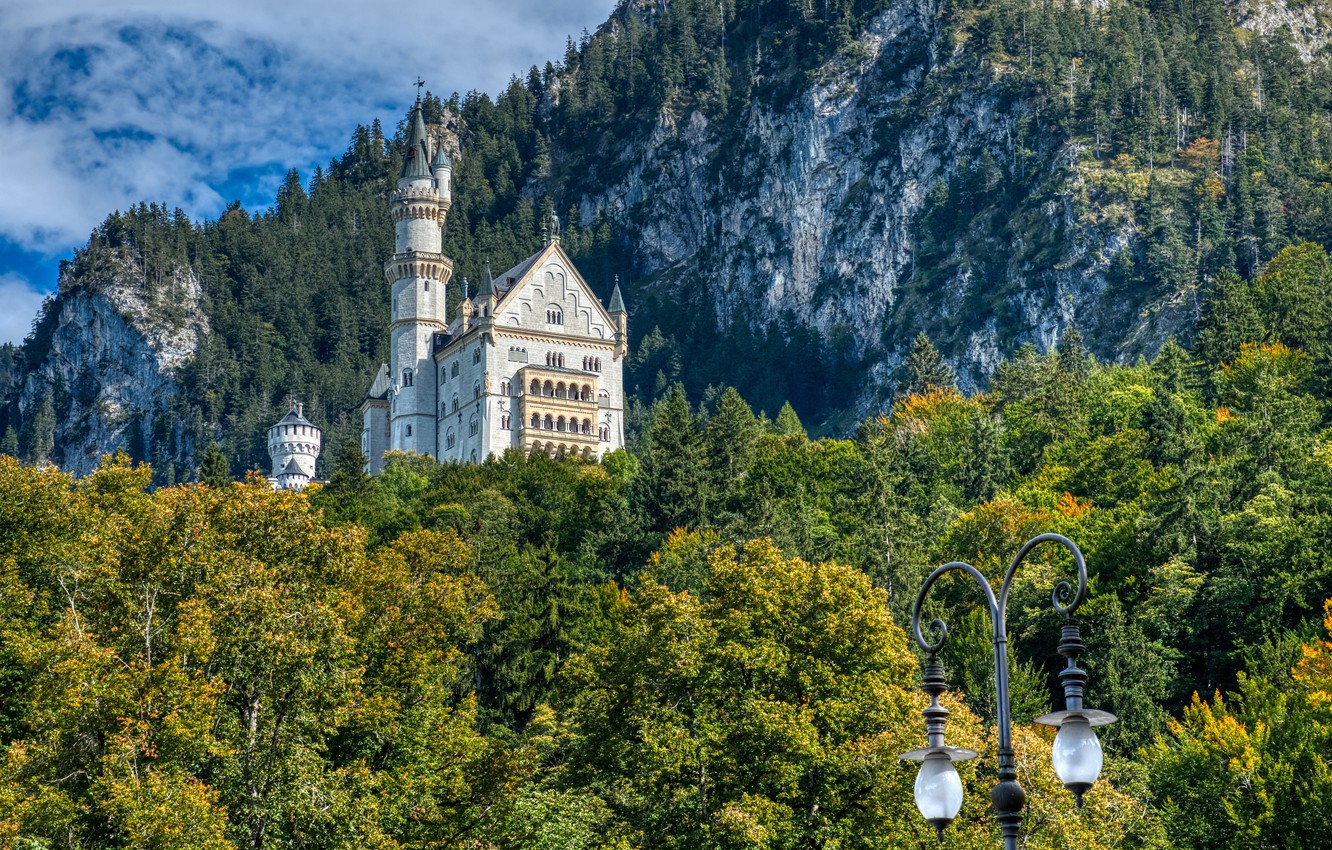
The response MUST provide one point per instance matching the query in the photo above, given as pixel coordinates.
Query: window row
(561, 390)
(554, 358)
(554, 316)
(559, 423)
(591, 364)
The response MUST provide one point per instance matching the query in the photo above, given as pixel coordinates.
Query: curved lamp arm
(1007, 797)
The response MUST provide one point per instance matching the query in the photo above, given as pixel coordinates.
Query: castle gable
(546, 293)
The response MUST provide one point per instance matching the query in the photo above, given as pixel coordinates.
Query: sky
(106, 103)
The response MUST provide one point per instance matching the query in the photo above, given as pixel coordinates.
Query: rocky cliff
(818, 203)
(105, 364)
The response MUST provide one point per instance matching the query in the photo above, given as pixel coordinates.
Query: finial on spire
(616, 299)
(419, 84)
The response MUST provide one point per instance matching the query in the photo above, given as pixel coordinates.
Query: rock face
(814, 204)
(109, 362)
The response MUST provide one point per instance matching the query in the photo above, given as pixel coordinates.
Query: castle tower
(418, 275)
(294, 444)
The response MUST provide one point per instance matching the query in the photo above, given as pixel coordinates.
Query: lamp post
(1077, 753)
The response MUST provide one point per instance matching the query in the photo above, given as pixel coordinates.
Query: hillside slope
(794, 183)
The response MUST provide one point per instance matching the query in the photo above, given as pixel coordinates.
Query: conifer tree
(672, 486)
(788, 423)
(730, 435)
(925, 369)
(214, 469)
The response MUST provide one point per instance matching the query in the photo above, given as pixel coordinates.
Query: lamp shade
(1077, 754)
(938, 789)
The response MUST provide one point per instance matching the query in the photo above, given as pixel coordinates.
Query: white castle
(293, 444)
(531, 361)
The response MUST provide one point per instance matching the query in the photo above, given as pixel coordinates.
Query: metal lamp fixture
(1077, 753)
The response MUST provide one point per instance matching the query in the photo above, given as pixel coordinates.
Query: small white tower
(293, 444)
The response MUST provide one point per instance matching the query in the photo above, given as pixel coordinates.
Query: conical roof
(617, 301)
(487, 287)
(416, 161)
(442, 158)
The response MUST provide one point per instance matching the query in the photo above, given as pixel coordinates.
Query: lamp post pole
(1076, 754)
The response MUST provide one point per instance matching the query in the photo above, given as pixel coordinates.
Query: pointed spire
(617, 301)
(487, 288)
(416, 162)
(464, 289)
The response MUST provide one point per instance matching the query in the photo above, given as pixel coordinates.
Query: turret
(620, 316)
(418, 216)
(442, 169)
(294, 444)
(486, 297)
(465, 310)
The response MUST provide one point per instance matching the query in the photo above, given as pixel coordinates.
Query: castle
(531, 360)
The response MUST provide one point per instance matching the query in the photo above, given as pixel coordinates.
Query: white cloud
(19, 302)
(105, 104)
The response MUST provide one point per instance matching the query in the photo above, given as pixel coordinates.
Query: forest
(700, 642)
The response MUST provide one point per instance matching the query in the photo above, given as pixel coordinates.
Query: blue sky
(105, 103)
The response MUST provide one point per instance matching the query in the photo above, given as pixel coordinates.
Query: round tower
(293, 444)
(418, 274)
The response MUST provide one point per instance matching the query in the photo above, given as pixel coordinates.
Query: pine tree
(788, 423)
(925, 370)
(672, 487)
(730, 435)
(214, 469)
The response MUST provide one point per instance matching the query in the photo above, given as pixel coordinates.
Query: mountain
(790, 191)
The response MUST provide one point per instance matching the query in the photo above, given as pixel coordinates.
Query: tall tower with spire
(418, 275)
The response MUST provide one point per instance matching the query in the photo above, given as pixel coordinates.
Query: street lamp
(1077, 753)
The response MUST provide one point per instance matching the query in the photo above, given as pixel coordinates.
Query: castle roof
(441, 157)
(416, 161)
(516, 273)
(295, 417)
(487, 287)
(617, 301)
(291, 468)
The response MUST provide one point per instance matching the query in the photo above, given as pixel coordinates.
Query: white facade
(461, 390)
(294, 444)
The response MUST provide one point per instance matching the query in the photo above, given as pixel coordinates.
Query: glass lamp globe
(938, 791)
(1077, 755)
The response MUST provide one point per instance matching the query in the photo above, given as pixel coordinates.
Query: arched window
(450, 439)
(554, 316)
(603, 433)
(409, 430)
(476, 355)
(504, 388)
(597, 366)
(548, 389)
(455, 404)
(453, 370)
(560, 390)
(550, 422)
(504, 422)
(473, 455)
(559, 424)
(473, 426)
(536, 421)
(406, 377)
(603, 398)
(561, 360)
(534, 388)
(587, 392)
(476, 390)
(587, 426)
